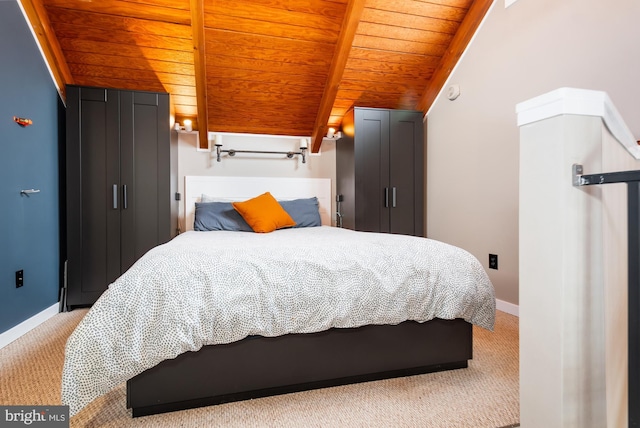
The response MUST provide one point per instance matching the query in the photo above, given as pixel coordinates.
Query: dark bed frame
(263, 366)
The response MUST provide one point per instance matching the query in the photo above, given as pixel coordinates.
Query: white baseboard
(507, 307)
(24, 327)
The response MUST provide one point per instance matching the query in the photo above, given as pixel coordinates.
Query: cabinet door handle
(393, 197)
(339, 199)
(115, 196)
(386, 197)
(124, 196)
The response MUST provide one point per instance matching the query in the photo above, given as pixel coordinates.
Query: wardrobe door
(405, 172)
(145, 174)
(379, 172)
(371, 170)
(93, 215)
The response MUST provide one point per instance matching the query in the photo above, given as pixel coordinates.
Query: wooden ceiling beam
(39, 22)
(459, 43)
(340, 56)
(199, 61)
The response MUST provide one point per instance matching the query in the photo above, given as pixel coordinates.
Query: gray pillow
(305, 212)
(219, 216)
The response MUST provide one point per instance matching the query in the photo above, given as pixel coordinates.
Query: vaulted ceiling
(283, 67)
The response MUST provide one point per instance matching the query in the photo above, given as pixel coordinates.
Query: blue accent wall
(29, 225)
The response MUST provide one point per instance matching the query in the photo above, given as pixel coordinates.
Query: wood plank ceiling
(283, 67)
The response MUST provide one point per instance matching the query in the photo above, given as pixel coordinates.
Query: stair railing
(632, 179)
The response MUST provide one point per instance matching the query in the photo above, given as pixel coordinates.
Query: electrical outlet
(493, 261)
(19, 278)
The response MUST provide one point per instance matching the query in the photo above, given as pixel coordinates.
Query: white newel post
(572, 262)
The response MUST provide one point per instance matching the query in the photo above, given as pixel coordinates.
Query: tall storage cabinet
(121, 162)
(380, 171)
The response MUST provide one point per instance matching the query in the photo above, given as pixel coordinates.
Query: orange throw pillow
(263, 213)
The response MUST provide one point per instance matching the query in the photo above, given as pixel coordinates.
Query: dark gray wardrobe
(121, 180)
(380, 171)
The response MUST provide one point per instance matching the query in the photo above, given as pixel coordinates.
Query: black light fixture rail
(232, 152)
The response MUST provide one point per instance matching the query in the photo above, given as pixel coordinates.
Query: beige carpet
(483, 395)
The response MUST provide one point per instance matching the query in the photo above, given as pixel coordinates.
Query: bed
(318, 306)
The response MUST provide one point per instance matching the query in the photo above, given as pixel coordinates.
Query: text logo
(34, 416)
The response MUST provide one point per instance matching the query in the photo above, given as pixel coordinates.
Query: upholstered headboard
(242, 188)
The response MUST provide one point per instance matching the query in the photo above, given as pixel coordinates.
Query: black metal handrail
(632, 179)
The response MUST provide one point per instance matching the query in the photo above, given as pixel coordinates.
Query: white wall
(193, 162)
(528, 49)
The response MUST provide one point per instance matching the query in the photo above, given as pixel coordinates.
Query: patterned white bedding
(206, 288)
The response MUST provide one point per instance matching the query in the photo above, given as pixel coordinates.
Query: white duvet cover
(206, 288)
